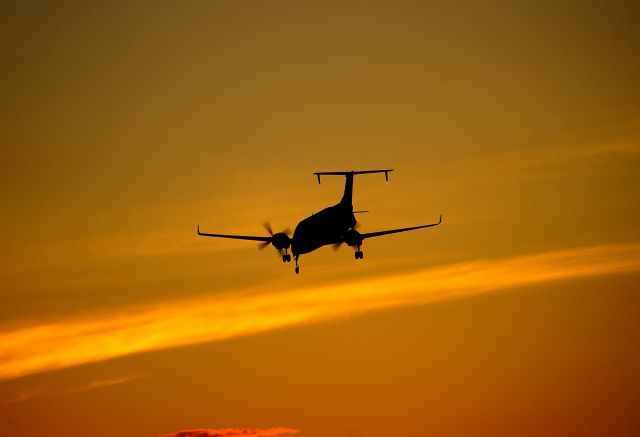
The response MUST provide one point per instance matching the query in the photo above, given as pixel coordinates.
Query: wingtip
(198, 229)
(440, 221)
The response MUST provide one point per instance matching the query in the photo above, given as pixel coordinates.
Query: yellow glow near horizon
(95, 336)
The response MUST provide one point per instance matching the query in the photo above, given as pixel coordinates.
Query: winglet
(440, 221)
(198, 229)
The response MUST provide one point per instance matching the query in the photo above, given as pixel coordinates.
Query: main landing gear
(286, 258)
(359, 254)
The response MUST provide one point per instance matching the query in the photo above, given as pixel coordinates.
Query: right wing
(236, 237)
(395, 231)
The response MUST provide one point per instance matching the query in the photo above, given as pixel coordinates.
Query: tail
(347, 197)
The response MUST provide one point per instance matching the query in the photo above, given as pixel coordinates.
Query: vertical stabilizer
(347, 197)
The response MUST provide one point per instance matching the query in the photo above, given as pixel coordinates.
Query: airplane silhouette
(334, 225)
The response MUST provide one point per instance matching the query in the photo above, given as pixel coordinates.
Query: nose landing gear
(297, 266)
(359, 254)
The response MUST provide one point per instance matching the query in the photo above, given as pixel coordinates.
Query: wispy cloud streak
(99, 336)
(91, 385)
(233, 432)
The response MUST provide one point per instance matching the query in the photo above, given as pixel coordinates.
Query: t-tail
(347, 197)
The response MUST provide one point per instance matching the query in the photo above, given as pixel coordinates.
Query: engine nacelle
(353, 238)
(281, 241)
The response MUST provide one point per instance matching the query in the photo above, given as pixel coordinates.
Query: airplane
(335, 225)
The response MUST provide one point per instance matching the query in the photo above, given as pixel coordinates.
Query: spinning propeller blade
(262, 245)
(267, 226)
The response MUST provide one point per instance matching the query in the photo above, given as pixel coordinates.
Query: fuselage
(325, 227)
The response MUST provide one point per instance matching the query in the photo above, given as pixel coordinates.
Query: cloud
(91, 385)
(620, 149)
(231, 432)
(95, 336)
(553, 161)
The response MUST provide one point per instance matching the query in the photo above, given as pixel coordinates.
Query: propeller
(279, 240)
(264, 244)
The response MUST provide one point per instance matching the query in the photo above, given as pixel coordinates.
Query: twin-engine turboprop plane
(334, 225)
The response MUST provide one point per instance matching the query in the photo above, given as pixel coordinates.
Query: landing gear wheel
(359, 254)
(297, 270)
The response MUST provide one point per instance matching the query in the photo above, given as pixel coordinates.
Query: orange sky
(123, 126)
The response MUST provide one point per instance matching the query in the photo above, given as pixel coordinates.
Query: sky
(124, 125)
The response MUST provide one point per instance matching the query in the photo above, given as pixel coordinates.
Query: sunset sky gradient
(124, 125)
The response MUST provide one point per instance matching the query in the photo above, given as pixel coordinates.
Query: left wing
(394, 231)
(236, 237)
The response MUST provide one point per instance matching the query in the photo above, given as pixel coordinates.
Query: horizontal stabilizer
(352, 173)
